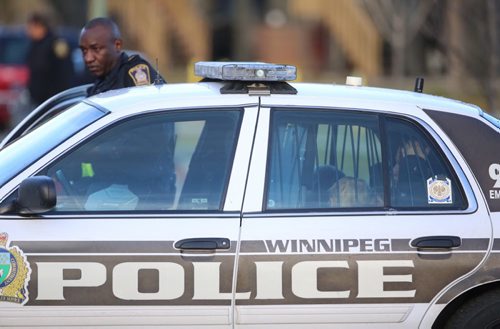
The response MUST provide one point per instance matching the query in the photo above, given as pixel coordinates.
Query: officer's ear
(118, 44)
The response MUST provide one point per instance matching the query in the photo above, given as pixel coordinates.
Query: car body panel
(147, 244)
(285, 268)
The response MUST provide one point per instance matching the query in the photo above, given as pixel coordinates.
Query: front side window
(24, 151)
(161, 162)
(355, 160)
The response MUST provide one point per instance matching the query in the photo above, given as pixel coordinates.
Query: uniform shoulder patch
(140, 75)
(61, 48)
(14, 273)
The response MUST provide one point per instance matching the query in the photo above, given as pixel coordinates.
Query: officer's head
(101, 45)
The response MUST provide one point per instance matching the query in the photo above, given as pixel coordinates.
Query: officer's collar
(112, 74)
(123, 58)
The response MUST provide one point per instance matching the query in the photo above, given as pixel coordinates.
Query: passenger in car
(409, 153)
(110, 189)
(323, 178)
(350, 192)
(129, 174)
(410, 172)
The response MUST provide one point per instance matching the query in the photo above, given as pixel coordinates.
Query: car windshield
(26, 150)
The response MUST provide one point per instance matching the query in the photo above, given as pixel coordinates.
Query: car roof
(360, 94)
(203, 94)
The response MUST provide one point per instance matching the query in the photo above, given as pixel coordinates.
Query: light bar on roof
(245, 71)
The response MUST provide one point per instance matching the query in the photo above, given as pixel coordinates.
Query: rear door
(145, 228)
(362, 218)
(48, 109)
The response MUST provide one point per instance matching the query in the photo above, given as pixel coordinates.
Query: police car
(246, 201)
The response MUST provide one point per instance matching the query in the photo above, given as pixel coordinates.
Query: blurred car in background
(44, 112)
(14, 73)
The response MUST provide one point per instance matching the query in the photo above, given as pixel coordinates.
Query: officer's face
(100, 50)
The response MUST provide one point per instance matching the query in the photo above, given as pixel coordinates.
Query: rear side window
(354, 160)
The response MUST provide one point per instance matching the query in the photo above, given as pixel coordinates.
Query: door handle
(437, 242)
(203, 243)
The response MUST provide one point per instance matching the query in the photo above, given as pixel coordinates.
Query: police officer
(48, 59)
(101, 45)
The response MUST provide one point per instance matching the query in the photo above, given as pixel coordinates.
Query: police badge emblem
(14, 273)
(439, 190)
(140, 75)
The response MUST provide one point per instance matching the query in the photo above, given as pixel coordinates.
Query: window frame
(449, 161)
(123, 120)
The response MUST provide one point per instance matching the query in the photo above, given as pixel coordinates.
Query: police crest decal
(14, 273)
(439, 190)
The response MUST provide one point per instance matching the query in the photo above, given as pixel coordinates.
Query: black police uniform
(51, 68)
(130, 71)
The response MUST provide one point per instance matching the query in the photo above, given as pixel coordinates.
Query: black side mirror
(36, 195)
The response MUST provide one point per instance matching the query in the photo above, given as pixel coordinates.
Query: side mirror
(36, 195)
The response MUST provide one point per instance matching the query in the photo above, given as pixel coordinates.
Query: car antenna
(158, 80)
(419, 85)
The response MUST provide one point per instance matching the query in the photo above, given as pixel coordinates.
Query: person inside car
(411, 171)
(350, 192)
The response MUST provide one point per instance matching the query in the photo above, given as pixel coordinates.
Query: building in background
(454, 43)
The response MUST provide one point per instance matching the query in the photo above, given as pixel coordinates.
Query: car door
(48, 109)
(349, 227)
(143, 233)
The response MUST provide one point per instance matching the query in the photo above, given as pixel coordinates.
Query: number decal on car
(494, 172)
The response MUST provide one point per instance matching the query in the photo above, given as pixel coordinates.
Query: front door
(140, 235)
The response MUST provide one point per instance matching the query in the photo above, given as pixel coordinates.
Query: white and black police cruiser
(245, 201)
